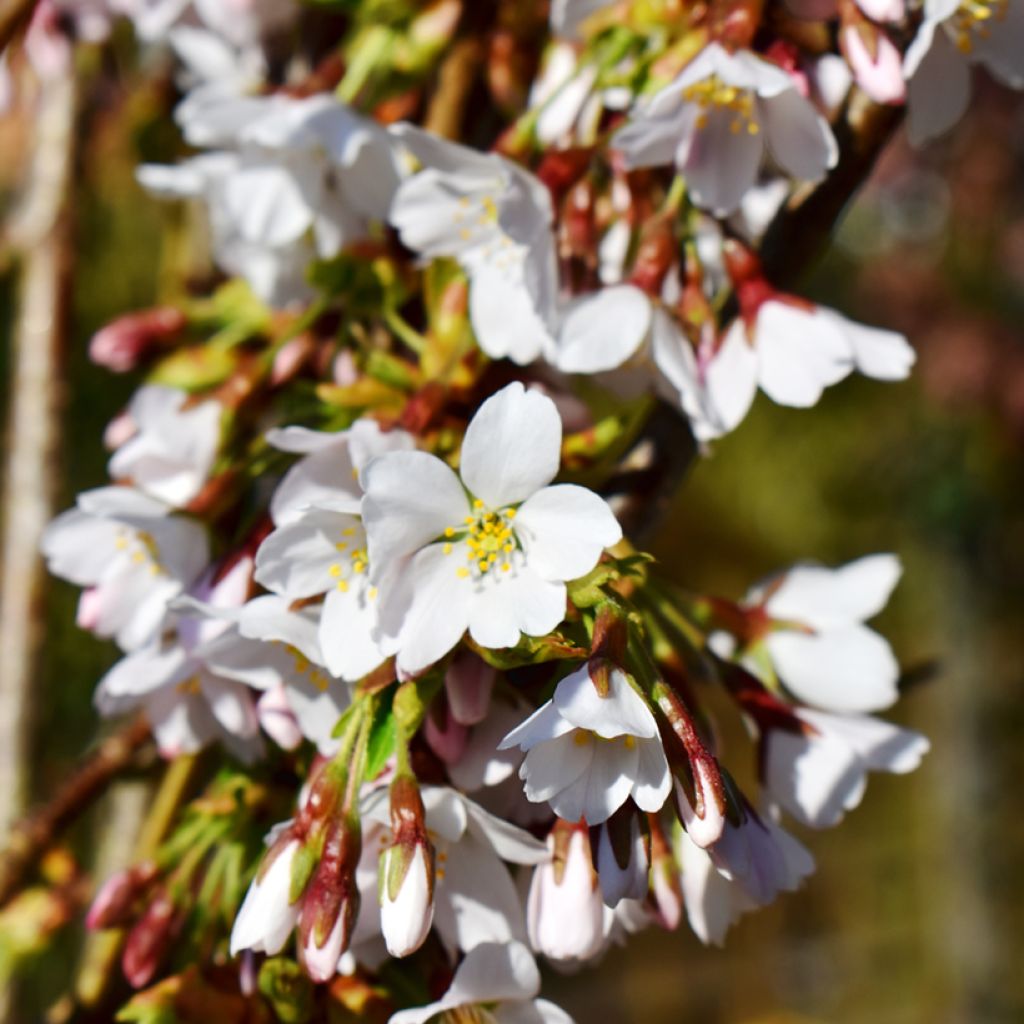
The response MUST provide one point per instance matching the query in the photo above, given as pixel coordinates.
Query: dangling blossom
(747, 868)
(588, 753)
(301, 179)
(488, 550)
(953, 37)
(267, 916)
(814, 634)
(819, 771)
(717, 120)
(499, 980)
(174, 445)
(565, 911)
(495, 219)
(319, 546)
(622, 867)
(132, 554)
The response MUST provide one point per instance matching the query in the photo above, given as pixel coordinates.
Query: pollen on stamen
(447, 549)
(462, 572)
(335, 570)
(343, 586)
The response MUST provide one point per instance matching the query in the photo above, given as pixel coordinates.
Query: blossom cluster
(361, 532)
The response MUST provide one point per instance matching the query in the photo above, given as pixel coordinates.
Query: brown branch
(37, 832)
(14, 15)
(454, 84)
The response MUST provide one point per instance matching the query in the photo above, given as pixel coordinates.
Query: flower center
(468, 1014)
(582, 737)
(713, 94)
(486, 538)
(142, 548)
(304, 667)
(974, 19)
(352, 563)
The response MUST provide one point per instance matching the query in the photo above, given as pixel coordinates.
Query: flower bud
(565, 909)
(267, 915)
(112, 905)
(406, 872)
(277, 718)
(700, 804)
(622, 858)
(331, 904)
(444, 735)
(121, 345)
(876, 63)
(468, 684)
(150, 939)
(291, 357)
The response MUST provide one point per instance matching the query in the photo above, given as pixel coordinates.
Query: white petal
(512, 446)
(347, 633)
(848, 669)
(721, 165)
(506, 606)
(653, 778)
(884, 747)
(295, 560)
(564, 529)
(799, 138)
(550, 767)
(508, 316)
(823, 597)
(731, 382)
(622, 712)
(604, 787)
(601, 331)
(938, 84)
(543, 725)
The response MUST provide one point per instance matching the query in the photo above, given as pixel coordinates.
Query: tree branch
(13, 15)
(37, 832)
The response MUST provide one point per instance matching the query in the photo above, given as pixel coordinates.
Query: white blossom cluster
(573, 795)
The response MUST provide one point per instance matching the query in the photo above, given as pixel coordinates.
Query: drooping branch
(33, 835)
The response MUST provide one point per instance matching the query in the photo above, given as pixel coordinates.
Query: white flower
(792, 352)
(716, 120)
(954, 35)
(588, 754)
(819, 773)
(499, 976)
(302, 178)
(817, 641)
(475, 899)
(406, 919)
(619, 881)
(135, 555)
(495, 219)
(494, 560)
(319, 546)
(173, 448)
(194, 686)
(565, 911)
(567, 16)
(266, 918)
(746, 868)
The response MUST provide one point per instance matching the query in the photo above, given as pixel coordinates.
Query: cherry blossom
(587, 753)
(488, 550)
(133, 555)
(717, 119)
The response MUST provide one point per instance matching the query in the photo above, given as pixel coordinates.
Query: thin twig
(455, 82)
(36, 833)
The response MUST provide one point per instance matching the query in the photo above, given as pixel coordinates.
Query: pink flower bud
(703, 814)
(290, 359)
(150, 939)
(468, 685)
(267, 915)
(565, 909)
(90, 606)
(445, 736)
(120, 430)
(883, 10)
(121, 344)
(277, 718)
(665, 885)
(113, 904)
(876, 63)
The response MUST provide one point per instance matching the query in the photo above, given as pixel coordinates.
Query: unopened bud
(331, 903)
(876, 63)
(150, 939)
(277, 718)
(291, 357)
(565, 910)
(406, 896)
(468, 684)
(268, 915)
(121, 345)
(112, 907)
(657, 252)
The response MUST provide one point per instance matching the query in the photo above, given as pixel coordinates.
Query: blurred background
(916, 912)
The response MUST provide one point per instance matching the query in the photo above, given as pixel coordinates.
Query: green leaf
(284, 985)
(383, 734)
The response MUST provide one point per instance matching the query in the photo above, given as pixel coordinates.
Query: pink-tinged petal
(707, 829)
(878, 73)
(512, 446)
(621, 712)
(824, 598)
(468, 684)
(410, 498)
(938, 84)
(799, 354)
(602, 330)
(564, 529)
(883, 10)
(799, 138)
(439, 612)
(851, 669)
